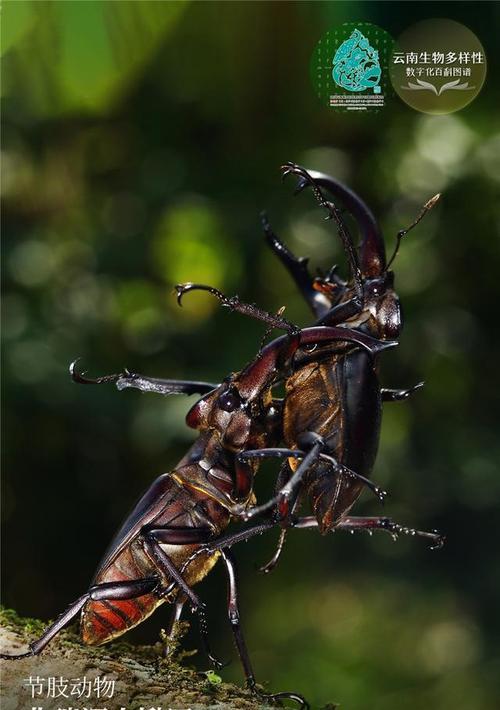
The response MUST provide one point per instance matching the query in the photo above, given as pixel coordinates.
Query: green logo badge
(356, 66)
(350, 67)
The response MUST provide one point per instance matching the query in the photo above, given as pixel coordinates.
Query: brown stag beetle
(333, 402)
(155, 557)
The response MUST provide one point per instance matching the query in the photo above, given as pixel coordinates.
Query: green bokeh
(142, 138)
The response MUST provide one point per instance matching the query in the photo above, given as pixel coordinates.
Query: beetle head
(382, 309)
(371, 279)
(241, 409)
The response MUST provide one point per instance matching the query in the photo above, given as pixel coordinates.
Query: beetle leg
(98, 592)
(297, 268)
(352, 524)
(152, 539)
(164, 387)
(341, 469)
(175, 617)
(287, 494)
(269, 566)
(126, 379)
(298, 454)
(394, 529)
(283, 476)
(270, 329)
(224, 542)
(234, 620)
(165, 564)
(389, 395)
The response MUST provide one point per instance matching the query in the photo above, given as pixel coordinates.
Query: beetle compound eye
(229, 401)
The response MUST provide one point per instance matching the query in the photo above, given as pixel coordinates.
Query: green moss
(24, 625)
(144, 670)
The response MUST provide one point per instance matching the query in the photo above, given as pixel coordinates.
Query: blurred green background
(140, 142)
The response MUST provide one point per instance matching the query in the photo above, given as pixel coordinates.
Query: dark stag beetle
(332, 408)
(156, 555)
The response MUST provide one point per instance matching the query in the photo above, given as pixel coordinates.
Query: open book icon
(427, 86)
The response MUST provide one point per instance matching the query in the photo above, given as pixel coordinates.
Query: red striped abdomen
(103, 621)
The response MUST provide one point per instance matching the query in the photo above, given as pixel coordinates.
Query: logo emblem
(356, 66)
(350, 67)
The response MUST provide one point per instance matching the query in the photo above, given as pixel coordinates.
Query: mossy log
(142, 677)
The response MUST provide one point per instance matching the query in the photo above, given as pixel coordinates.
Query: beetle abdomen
(104, 620)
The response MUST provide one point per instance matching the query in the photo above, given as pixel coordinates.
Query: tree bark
(63, 676)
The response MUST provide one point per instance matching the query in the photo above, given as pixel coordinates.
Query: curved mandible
(372, 261)
(372, 248)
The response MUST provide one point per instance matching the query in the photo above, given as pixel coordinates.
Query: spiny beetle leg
(204, 635)
(175, 617)
(353, 524)
(284, 476)
(99, 592)
(165, 564)
(297, 453)
(277, 697)
(126, 379)
(234, 619)
(391, 395)
(226, 541)
(394, 529)
(269, 566)
(269, 329)
(288, 493)
(341, 469)
(174, 536)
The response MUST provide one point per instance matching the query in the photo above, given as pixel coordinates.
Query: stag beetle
(174, 537)
(154, 557)
(333, 403)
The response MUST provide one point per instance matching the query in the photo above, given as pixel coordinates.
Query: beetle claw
(439, 542)
(218, 665)
(273, 697)
(181, 289)
(80, 378)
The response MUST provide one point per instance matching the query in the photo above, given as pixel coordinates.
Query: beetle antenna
(403, 232)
